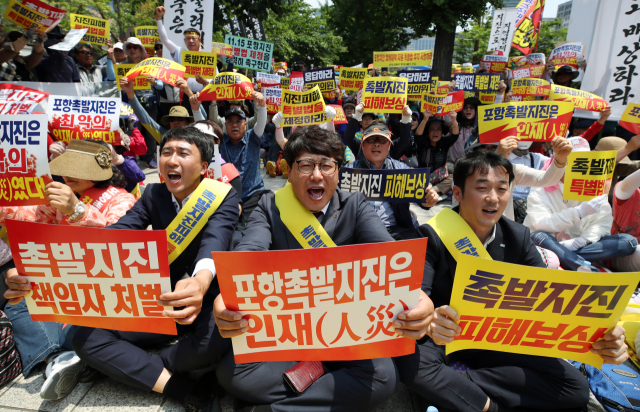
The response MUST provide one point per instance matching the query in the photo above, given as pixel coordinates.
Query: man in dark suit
(481, 185)
(184, 158)
(314, 157)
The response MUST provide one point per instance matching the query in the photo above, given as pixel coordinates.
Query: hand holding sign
(561, 147)
(414, 323)
(507, 145)
(612, 348)
(19, 287)
(445, 325)
(230, 322)
(189, 293)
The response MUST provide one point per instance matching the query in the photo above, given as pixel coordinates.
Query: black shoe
(204, 396)
(255, 408)
(89, 375)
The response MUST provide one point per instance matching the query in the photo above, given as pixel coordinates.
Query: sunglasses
(158, 48)
(86, 52)
(131, 46)
(178, 119)
(376, 140)
(414, 119)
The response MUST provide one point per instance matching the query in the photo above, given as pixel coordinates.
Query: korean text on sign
(273, 96)
(94, 118)
(442, 104)
(494, 64)
(303, 108)
(568, 54)
(538, 121)
(534, 311)
(99, 29)
(477, 82)
(201, 63)
(529, 71)
(162, 69)
(398, 186)
(588, 174)
(250, 54)
(182, 15)
(148, 35)
(419, 81)
(108, 279)
(530, 87)
(227, 86)
(24, 16)
(139, 83)
(24, 166)
(340, 117)
(630, 119)
(581, 100)
(385, 94)
(268, 80)
(402, 58)
(54, 14)
(351, 79)
(340, 307)
(324, 78)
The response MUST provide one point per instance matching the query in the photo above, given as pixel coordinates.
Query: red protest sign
(340, 118)
(108, 279)
(74, 117)
(12, 92)
(322, 304)
(54, 14)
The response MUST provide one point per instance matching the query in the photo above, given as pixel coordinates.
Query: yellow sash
(204, 201)
(456, 235)
(136, 192)
(4, 235)
(301, 222)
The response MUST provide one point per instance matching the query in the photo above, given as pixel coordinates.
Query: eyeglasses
(376, 140)
(131, 46)
(86, 52)
(157, 48)
(234, 121)
(414, 119)
(307, 166)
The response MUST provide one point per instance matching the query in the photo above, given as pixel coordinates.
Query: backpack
(617, 387)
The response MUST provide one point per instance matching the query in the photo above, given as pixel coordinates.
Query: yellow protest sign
(534, 311)
(538, 121)
(196, 62)
(285, 82)
(442, 104)
(163, 69)
(25, 17)
(630, 118)
(139, 83)
(487, 97)
(580, 99)
(530, 87)
(303, 108)
(99, 29)
(148, 35)
(403, 58)
(227, 86)
(385, 94)
(222, 49)
(443, 86)
(588, 174)
(352, 79)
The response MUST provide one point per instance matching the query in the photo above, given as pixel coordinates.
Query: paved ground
(107, 395)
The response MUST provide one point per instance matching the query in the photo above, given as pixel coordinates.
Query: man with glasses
(90, 74)
(158, 48)
(314, 157)
(376, 144)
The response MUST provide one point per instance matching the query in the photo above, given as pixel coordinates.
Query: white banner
(502, 29)
(611, 66)
(72, 117)
(70, 40)
(181, 15)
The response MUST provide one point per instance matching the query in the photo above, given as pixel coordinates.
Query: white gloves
(358, 113)
(330, 112)
(277, 119)
(406, 115)
(592, 206)
(574, 244)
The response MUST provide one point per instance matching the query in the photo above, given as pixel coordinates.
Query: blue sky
(550, 8)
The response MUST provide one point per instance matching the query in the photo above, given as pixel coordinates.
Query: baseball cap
(376, 129)
(235, 112)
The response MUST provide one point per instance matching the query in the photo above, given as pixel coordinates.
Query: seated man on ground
(578, 232)
(496, 380)
(184, 159)
(314, 157)
(397, 218)
(88, 173)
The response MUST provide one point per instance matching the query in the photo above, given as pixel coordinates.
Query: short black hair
(314, 140)
(480, 161)
(191, 135)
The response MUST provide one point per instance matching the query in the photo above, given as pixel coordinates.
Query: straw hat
(85, 160)
(613, 143)
(175, 111)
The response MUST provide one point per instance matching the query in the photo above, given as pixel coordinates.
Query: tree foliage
(301, 32)
(479, 32)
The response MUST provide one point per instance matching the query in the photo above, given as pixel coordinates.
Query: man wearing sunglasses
(314, 157)
(90, 74)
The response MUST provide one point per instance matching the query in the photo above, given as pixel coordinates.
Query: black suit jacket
(349, 220)
(512, 244)
(155, 208)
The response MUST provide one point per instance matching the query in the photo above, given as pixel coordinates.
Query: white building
(564, 13)
(423, 43)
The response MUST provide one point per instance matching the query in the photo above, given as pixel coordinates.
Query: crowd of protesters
(509, 193)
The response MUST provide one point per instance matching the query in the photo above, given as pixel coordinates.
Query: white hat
(206, 129)
(118, 45)
(137, 42)
(579, 144)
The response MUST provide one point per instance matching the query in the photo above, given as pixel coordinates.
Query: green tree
(300, 32)
(471, 45)
(549, 36)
